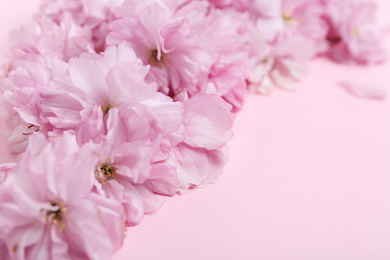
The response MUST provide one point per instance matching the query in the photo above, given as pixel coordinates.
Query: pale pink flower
(169, 42)
(50, 96)
(292, 18)
(116, 79)
(48, 209)
(306, 19)
(85, 12)
(354, 35)
(91, 105)
(148, 121)
(282, 66)
(129, 161)
(63, 40)
(36, 97)
(142, 125)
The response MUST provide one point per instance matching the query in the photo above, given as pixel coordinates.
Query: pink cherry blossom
(294, 18)
(281, 66)
(128, 163)
(117, 80)
(354, 34)
(91, 16)
(85, 12)
(169, 43)
(63, 40)
(48, 209)
(48, 95)
(36, 97)
(305, 18)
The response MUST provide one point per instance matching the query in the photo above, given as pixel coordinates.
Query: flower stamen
(356, 32)
(107, 106)
(287, 17)
(156, 59)
(55, 215)
(33, 128)
(106, 171)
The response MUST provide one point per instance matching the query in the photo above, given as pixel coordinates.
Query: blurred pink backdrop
(308, 178)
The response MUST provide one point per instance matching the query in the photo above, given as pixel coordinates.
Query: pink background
(309, 176)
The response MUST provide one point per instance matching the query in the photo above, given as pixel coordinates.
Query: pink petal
(88, 76)
(208, 122)
(197, 166)
(364, 91)
(126, 83)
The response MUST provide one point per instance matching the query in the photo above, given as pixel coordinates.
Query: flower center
(155, 59)
(287, 17)
(356, 32)
(55, 215)
(107, 106)
(106, 171)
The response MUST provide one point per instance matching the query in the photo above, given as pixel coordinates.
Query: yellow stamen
(287, 17)
(356, 32)
(106, 171)
(56, 216)
(107, 106)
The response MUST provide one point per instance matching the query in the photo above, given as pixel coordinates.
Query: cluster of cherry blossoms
(115, 105)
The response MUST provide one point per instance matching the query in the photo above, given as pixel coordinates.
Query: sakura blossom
(90, 16)
(63, 40)
(179, 54)
(354, 35)
(49, 209)
(282, 66)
